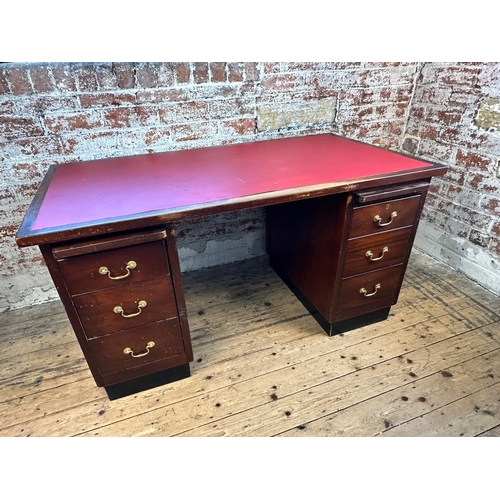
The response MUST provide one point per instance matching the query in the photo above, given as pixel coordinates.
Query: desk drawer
(377, 251)
(141, 303)
(138, 346)
(378, 217)
(378, 287)
(113, 268)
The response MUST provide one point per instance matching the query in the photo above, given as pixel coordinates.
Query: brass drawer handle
(378, 219)
(140, 305)
(369, 254)
(365, 292)
(130, 265)
(149, 345)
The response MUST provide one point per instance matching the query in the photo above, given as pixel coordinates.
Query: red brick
(7, 107)
(63, 77)
(239, 127)
(26, 172)
(281, 83)
(125, 75)
(495, 229)
(482, 181)
(130, 116)
(272, 67)
(106, 99)
(86, 142)
(218, 71)
(200, 72)
(4, 86)
(459, 75)
(41, 79)
(39, 146)
(69, 123)
(491, 205)
(19, 80)
(156, 136)
(42, 103)
(16, 126)
(469, 159)
(494, 246)
(182, 72)
(145, 75)
(194, 132)
(235, 72)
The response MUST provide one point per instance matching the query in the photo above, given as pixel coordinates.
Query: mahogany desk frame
(321, 194)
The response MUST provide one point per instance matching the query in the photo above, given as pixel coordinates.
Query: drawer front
(132, 348)
(377, 251)
(130, 264)
(366, 289)
(372, 219)
(140, 303)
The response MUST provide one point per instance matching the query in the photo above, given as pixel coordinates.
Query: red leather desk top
(81, 193)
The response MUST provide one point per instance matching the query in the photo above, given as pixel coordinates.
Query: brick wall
(55, 113)
(454, 120)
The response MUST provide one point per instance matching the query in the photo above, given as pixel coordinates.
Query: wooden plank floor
(264, 367)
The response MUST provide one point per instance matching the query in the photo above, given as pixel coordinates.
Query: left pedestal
(123, 295)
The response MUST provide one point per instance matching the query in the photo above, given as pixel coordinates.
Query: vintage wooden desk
(341, 219)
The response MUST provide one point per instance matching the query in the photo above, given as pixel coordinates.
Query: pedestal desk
(341, 218)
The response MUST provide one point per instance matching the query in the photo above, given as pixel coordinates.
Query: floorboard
(264, 367)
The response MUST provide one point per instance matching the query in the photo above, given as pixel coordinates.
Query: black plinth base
(351, 323)
(340, 326)
(140, 384)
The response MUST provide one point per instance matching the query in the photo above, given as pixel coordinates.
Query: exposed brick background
(66, 112)
(461, 220)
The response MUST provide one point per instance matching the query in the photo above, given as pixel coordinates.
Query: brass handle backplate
(140, 305)
(369, 254)
(149, 345)
(130, 265)
(365, 292)
(378, 219)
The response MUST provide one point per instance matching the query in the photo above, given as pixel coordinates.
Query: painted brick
(152, 107)
(18, 126)
(125, 75)
(100, 99)
(182, 72)
(69, 123)
(470, 159)
(86, 78)
(19, 80)
(4, 83)
(162, 96)
(239, 127)
(194, 132)
(218, 72)
(130, 116)
(106, 77)
(41, 79)
(145, 76)
(184, 112)
(164, 74)
(235, 72)
(251, 72)
(64, 78)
